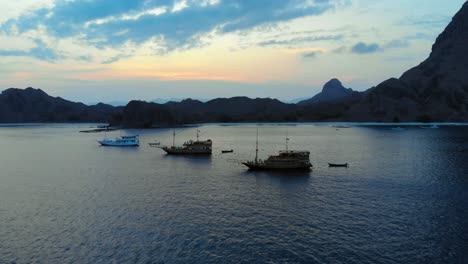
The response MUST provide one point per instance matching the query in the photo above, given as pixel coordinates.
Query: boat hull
(338, 165)
(265, 167)
(172, 151)
(113, 144)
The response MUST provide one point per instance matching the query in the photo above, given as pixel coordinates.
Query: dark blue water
(404, 198)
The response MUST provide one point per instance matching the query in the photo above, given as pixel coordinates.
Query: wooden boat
(227, 151)
(338, 165)
(190, 147)
(285, 160)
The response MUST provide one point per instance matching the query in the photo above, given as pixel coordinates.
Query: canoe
(227, 151)
(338, 165)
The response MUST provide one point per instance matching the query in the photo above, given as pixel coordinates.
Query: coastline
(93, 127)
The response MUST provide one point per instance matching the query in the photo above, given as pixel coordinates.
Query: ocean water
(404, 198)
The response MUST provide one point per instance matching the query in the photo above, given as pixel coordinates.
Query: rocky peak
(334, 86)
(331, 91)
(455, 36)
(447, 65)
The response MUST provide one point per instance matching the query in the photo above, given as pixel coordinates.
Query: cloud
(310, 55)
(110, 23)
(115, 59)
(363, 48)
(430, 21)
(14, 9)
(300, 40)
(41, 52)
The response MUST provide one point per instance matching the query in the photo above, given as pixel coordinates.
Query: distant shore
(101, 127)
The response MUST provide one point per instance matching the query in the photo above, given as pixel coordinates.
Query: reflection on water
(193, 159)
(289, 175)
(64, 199)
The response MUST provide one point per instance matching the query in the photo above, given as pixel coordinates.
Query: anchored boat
(338, 165)
(190, 147)
(285, 160)
(154, 144)
(123, 141)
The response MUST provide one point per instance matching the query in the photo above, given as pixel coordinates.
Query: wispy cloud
(300, 40)
(311, 55)
(432, 21)
(41, 52)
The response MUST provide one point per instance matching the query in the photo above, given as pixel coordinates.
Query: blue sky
(116, 50)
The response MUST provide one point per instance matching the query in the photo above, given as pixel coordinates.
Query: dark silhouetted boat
(227, 151)
(345, 165)
(190, 147)
(154, 144)
(285, 160)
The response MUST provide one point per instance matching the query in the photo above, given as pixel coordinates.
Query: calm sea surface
(65, 199)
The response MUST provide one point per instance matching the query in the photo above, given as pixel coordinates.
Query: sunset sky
(117, 50)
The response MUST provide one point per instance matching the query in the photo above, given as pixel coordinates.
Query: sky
(119, 50)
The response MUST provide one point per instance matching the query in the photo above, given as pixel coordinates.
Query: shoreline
(102, 127)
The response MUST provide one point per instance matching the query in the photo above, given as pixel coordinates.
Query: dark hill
(435, 90)
(236, 109)
(34, 105)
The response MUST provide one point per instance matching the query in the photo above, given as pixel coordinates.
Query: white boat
(123, 141)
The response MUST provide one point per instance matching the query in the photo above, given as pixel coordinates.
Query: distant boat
(338, 165)
(285, 160)
(227, 151)
(154, 144)
(190, 147)
(123, 141)
(397, 128)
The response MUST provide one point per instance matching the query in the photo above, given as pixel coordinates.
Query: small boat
(123, 141)
(227, 151)
(154, 144)
(397, 129)
(345, 165)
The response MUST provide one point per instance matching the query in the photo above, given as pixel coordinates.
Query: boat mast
(287, 139)
(173, 139)
(256, 149)
(198, 135)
